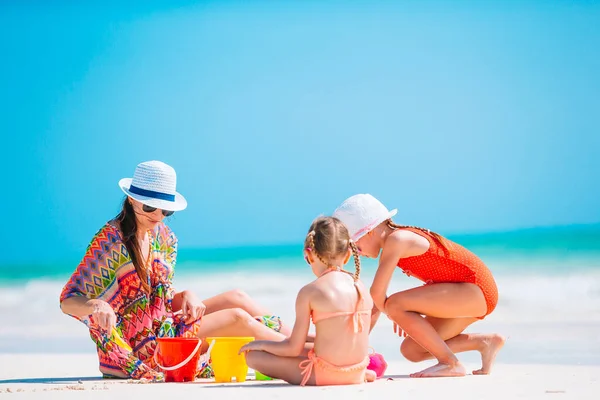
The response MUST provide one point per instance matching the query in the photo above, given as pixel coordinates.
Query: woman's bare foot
(493, 343)
(440, 370)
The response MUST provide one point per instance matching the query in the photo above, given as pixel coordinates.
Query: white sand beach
(552, 352)
(50, 376)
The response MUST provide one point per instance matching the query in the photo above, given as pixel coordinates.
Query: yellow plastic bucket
(226, 362)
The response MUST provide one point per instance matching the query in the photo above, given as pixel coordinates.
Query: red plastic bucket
(178, 357)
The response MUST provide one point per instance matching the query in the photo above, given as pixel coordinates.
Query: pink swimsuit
(330, 374)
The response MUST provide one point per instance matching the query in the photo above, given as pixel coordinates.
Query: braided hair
(328, 239)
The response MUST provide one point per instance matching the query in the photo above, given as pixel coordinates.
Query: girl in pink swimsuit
(340, 308)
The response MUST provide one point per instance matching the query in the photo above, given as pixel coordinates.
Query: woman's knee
(239, 315)
(237, 297)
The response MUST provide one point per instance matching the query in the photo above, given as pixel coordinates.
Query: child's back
(341, 311)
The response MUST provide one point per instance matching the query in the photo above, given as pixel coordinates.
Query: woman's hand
(103, 314)
(191, 307)
(257, 345)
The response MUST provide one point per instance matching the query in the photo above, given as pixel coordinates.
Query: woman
(122, 289)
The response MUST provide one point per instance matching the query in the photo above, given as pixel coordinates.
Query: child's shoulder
(331, 288)
(405, 235)
(364, 290)
(407, 242)
(311, 288)
(360, 284)
(314, 290)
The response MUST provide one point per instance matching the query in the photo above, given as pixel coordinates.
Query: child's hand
(399, 331)
(256, 345)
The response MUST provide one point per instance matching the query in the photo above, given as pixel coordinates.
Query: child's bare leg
(286, 368)
(442, 300)
(450, 330)
(239, 299)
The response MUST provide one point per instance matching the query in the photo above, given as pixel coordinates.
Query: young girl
(340, 308)
(459, 289)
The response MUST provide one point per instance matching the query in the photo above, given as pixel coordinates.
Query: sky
(465, 116)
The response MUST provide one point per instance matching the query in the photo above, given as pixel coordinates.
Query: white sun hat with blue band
(154, 184)
(361, 214)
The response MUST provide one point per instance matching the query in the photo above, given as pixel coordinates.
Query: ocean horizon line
(552, 239)
(593, 227)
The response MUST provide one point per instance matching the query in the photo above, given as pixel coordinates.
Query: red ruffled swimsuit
(455, 264)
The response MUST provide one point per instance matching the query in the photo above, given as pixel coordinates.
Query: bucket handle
(181, 364)
(205, 358)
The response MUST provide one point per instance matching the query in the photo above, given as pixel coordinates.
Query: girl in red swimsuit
(459, 289)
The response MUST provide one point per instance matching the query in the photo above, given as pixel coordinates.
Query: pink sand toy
(377, 364)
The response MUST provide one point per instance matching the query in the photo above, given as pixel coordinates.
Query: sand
(48, 376)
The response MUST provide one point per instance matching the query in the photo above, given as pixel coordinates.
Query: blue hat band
(152, 193)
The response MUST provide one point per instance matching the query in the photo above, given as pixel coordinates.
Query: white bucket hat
(153, 184)
(361, 213)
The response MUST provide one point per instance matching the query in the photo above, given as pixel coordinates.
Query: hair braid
(328, 239)
(356, 259)
(311, 245)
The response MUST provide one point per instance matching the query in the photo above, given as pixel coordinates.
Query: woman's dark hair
(128, 227)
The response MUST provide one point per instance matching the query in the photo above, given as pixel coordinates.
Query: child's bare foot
(440, 370)
(370, 376)
(493, 343)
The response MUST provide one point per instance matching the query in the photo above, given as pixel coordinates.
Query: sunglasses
(149, 209)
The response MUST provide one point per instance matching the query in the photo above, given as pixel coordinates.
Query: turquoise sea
(546, 250)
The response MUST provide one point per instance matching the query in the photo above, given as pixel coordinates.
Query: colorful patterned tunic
(107, 273)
